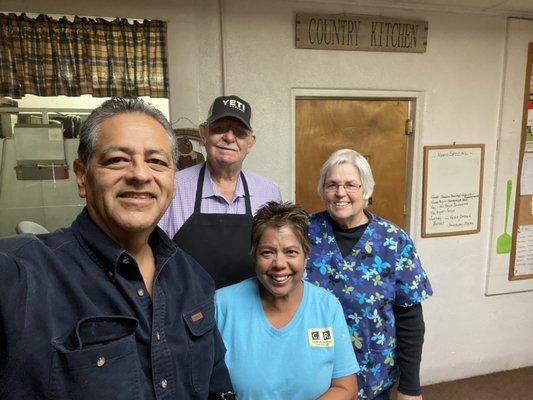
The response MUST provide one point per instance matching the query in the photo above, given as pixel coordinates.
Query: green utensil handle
(507, 202)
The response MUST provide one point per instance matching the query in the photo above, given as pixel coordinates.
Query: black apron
(219, 242)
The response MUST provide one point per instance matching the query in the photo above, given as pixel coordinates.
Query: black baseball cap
(230, 106)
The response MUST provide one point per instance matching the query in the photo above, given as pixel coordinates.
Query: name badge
(320, 337)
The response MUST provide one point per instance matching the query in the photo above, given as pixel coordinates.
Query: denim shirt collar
(105, 252)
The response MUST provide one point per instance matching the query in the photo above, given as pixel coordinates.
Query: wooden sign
(360, 32)
(453, 186)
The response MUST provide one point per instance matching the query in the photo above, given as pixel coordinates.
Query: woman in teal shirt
(285, 338)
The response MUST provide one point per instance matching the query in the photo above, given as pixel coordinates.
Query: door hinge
(408, 127)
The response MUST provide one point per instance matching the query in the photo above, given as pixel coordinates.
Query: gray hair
(358, 161)
(116, 106)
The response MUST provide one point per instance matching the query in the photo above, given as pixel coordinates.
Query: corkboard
(521, 260)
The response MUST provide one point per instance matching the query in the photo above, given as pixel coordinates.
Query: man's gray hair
(116, 106)
(358, 161)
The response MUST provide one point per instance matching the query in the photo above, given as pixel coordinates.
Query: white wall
(460, 79)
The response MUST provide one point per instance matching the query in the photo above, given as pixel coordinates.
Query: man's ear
(252, 140)
(203, 131)
(81, 176)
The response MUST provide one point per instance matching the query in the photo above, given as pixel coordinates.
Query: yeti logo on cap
(235, 104)
(230, 106)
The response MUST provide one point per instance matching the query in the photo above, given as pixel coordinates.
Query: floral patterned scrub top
(382, 270)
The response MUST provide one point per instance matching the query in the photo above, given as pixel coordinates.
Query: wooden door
(374, 128)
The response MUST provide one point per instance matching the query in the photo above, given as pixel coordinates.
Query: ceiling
(518, 8)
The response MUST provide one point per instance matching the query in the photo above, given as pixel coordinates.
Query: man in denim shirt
(110, 308)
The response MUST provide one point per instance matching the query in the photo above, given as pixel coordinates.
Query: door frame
(414, 171)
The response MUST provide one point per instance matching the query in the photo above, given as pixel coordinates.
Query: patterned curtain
(48, 57)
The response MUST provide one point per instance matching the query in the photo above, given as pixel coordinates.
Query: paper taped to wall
(526, 180)
(524, 250)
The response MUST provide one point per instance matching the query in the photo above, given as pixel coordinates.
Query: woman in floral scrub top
(371, 265)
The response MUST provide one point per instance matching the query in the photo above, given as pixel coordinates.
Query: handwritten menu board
(453, 186)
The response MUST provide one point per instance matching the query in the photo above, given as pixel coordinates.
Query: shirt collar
(210, 190)
(105, 252)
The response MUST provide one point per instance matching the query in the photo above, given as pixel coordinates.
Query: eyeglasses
(349, 187)
(239, 131)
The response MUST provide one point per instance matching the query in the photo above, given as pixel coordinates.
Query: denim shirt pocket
(99, 360)
(200, 322)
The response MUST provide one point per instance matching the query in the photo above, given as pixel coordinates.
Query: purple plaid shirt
(262, 190)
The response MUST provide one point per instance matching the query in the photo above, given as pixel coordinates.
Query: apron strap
(200, 186)
(246, 195)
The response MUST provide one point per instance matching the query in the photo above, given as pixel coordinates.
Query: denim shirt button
(100, 361)
(163, 383)
(140, 292)
(157, 335)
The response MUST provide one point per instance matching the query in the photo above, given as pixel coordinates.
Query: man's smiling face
(129, 180)
(227, 141)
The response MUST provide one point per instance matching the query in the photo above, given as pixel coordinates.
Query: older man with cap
(212, 215)
(110, 308)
